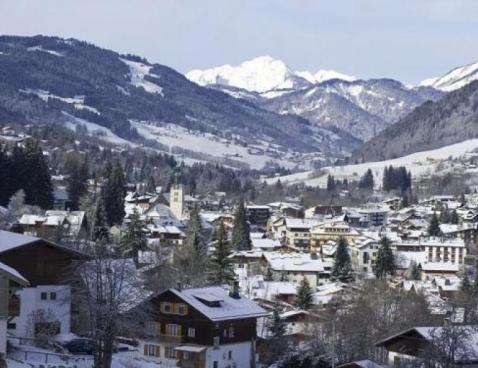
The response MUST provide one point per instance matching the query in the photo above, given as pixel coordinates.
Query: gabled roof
(13, 274)
(9, 241)
(230, 308)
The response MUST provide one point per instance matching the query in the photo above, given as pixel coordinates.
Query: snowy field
(419, 163)
(175, 136)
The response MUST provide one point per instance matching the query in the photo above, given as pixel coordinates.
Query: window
(215, 364)
(153, 328)
(173, 329)
(229, 355)
(170, 353)
(152, 350)
(44, 296)
(52, 296)
(231, 331)
(216, 341)
(181, 309)
(191, 332)
(166, 307)
(187, 355)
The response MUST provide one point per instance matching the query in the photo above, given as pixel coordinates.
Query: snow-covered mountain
(262, 74)
(327, 98)
(363, 108)
(454, 79)
(325, 75)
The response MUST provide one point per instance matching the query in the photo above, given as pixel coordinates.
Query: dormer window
(209, 300)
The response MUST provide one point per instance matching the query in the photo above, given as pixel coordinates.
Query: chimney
(234, 292)
(178, 286)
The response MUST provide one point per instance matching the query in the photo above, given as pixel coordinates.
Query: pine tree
(77, 182)
(475, 283)
(367, 181)
(405, 202)
(276, 325)
(221, 264)
(100, 227)
(331, 185)
(454, 218)
(241, 239)
(434, 226)
(134, 239)
(416, 272)
(38, 187)
(385, 261)
(342, 266)
(194, 233)
(114, 193)
(304, 298)
(466, 285)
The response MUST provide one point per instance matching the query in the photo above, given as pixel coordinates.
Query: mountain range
(257, 114)
(129, 100)
(326, 98)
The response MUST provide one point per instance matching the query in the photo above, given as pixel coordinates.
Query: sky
(408, 40)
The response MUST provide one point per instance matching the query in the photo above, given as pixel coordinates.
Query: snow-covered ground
(175, 136)
(138, 71)
(97, 130)
(77, 101)
(39, 48)
(420, 164)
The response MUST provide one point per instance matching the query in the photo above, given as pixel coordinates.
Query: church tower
(176, 200)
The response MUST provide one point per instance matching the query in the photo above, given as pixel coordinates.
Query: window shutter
(145, 350)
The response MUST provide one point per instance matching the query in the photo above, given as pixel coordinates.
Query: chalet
(409, 348)
(294, 267)
(297, 231)
(10, 279)
(323, 211)
(258, 215)
(54, 223)
(201, 327)
(49, 272)
(331, 230)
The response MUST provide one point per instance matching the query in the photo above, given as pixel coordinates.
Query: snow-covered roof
(9, 240)
(300, 262)
(297, 223)
(229, 308)
(265, 243)
(14, 274)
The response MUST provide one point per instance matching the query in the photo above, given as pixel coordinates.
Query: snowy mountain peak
(262, 74)
(454, 79)
(325, 75)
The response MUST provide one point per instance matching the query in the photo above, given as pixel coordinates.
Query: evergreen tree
(434, 226)
(100, 228)
(445, 216)
(151, 185)
(113, 193)
(134, 239)
(454, 218)
(405, 202)
(276, 325)
(342, 266)
(367, 181)
(241, 239)
(416, 271)
(331, 185)
(304, 298)
(475, 283)
(77, 182)
(385, 261)
(194, 233)
(38, 187)
(466, 285)
(221, 264)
